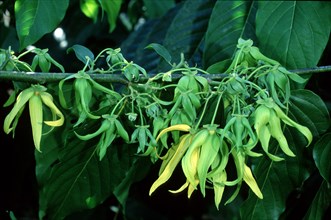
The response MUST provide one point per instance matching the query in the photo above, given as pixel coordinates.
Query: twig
(39, 77)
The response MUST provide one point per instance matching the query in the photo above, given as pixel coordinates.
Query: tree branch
(39, 77)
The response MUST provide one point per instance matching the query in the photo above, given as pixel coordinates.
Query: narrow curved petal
(48, 101)
(184, 186)
(106, 124)
(251, 182)
(170, 167)
(219, 187)
(61, 94)
(179, 127)
(277, 132)
(21, 100)
(105, 90)
(302, 129)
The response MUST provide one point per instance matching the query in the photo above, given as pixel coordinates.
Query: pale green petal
(48, 101)
(184, 186)
(169, 169)
(302, 129)
(36, 117)
(191, 158)
(277, 132)
(208, 153)
(249, 179)
(219, 187)
(21, 100)
(106, 125)
(264, 136)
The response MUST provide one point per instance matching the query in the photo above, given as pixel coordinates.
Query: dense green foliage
(103, 155)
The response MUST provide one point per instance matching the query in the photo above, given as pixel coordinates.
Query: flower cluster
(206, 125)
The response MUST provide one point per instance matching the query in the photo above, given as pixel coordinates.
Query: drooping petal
(191, 188)
(219, 187)
(264, 136)
(84, 91)
(178, 127)
(167, 157)
(61, 94)
(184, 186)
(251, 182)
(239, 160)
(302, 129)
(121, 131)
(106, 139)
(21, 100)
(48, 101)
(208, 153)
(100, 87)
(277, 132)
(105, 125)
(36, 118)
(191, 159)
(169, 169)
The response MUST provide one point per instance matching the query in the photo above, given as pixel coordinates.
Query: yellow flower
(36, 95)
(267, 123)
(174, 155)
(172, 162)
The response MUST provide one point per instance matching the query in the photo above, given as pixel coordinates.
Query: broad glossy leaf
(34, 18)
(308, 109)
(187, 38)
(112, 8)
(138, 170)
(8, 38)
(151, 32)
(322, 155)
(76, 179)
(133, 43)
(320, 203)
(293, 32)
(156, 9)
(228, 22)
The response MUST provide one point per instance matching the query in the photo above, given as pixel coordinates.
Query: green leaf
(8, 38)
(133, 47)
(293, 32)
(81, 53)
(156, 9)
(309, 110)
(161, 50)
(75, 179)
(320, 203)
(229, 21)
(112, 8)
(188, 38)
(90, 8)
(34, 18)
(322, 155)
(153, 31)
(138, 170)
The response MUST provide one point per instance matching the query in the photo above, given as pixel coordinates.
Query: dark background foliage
(19, 190)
